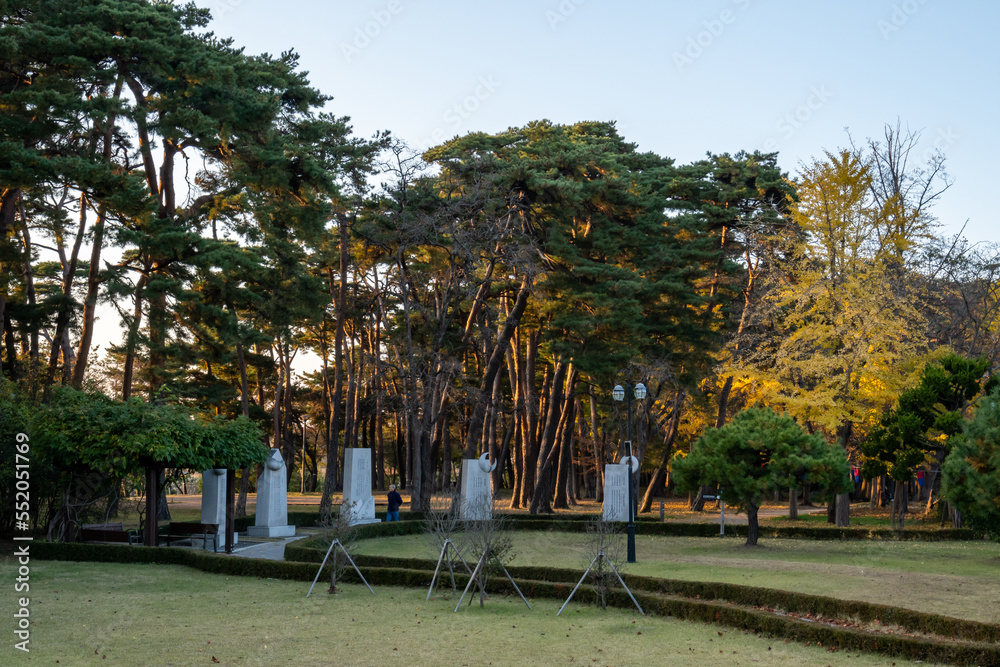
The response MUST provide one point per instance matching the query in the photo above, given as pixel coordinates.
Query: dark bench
(186, 531)
(108, 533)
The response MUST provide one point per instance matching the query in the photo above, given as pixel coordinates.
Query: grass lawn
(96, 613)
(960, 579)
(820, 520)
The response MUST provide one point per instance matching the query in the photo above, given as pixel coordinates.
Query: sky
(679, 78)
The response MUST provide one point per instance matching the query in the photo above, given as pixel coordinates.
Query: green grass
(171, 615)
(951, 578)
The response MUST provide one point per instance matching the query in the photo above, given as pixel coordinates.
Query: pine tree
(756, 453)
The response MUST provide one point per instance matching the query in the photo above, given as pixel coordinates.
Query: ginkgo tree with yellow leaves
(840, 336)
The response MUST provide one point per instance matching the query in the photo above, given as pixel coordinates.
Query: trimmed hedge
(577, 523)
(662, 601)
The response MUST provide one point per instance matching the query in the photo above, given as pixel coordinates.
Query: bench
(187, 531)
(108, 533)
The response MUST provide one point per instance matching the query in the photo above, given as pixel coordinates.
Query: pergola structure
(149, 536)
(92, 432)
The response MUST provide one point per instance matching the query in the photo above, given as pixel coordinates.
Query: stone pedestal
(477, 490)
(213, 503)
(358, 498)
(615, 492)
(272, 500)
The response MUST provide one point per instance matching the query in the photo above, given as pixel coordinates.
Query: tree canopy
(269, 267)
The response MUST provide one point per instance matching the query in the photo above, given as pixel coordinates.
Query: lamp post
(638, 390)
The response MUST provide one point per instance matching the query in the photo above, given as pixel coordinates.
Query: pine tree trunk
(530, 422)
(561, 500)
(516, 452)
(548, 445)
(843, 518)
(899, 503)
(401, 451)
(793, 504)
(753, 527)
(446, 456)
(598, 454)
(377, 389)
(60, 338)
(330, 483)
(673, 426)
(90, 301)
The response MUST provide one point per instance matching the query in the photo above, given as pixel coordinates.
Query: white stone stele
(213, 504)
(477, 490)
(272, 500)
(358, 498)
(615, 492)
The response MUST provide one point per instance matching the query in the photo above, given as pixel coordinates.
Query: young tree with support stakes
(757, 453)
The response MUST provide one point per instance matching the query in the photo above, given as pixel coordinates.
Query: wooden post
(152, 505)
(230, 508)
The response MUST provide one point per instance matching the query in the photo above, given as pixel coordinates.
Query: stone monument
(213, 502)
(616, 489)
(477, 489)
(358, 486)
(272, 500)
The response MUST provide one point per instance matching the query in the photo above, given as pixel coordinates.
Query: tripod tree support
(336, 543)
(444, 550)
(472, 578)
(600, 555)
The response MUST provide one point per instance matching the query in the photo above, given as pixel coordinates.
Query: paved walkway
(268, 550)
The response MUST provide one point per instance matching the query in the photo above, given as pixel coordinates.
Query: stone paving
(268, 550)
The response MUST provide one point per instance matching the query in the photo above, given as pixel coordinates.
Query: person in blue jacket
(395, 500)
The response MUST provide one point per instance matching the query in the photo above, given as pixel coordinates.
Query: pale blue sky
(681, 78)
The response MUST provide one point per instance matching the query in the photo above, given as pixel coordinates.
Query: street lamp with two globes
(627, 393)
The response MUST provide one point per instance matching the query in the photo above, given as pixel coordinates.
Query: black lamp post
(637, 391)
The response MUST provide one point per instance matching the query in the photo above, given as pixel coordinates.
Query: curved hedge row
(663, 601)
